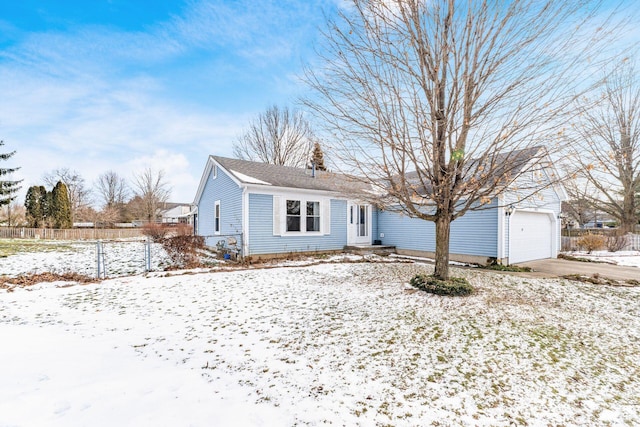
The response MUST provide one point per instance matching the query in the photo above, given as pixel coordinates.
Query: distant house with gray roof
(269, 210)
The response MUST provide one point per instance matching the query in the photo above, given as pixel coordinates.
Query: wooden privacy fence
(632, 242)
(69, 234)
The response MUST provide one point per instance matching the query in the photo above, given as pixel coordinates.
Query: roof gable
(211, 163)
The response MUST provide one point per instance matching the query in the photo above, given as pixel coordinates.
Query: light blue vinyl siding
(546, 198)
(229, 193)
(262, 240)
(475, 233)
(375, 234)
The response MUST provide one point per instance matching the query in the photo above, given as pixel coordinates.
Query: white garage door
(531, 236)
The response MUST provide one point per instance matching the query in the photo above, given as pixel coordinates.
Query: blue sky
(127, 84)
(124, 85)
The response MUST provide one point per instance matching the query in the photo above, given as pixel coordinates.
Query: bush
(510, 267)
(616, 242)
(183, 230)
(591, 242)
(157, 232)
(184, 251)
(456, 286)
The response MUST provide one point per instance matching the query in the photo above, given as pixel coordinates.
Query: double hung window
(303, 216)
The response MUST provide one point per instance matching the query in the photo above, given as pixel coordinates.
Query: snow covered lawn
(626, 258)
(340, 344)
(122, 257)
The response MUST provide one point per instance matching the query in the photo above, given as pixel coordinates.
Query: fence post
(147, 254)
(100, 264)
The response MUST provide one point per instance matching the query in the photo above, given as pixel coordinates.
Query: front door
(358, 224)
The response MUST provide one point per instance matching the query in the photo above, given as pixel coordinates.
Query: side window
(293, 215)
(216, 223)
(214, 173)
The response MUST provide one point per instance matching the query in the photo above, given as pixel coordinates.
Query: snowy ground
(334, 344)
(124, 257)
(626, 258)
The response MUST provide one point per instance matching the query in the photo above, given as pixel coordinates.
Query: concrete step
(370, 249)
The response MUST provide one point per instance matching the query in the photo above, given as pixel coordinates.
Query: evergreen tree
(317, 158)
(47, 209)
(60, 206)
(7, 188)
(35, 205)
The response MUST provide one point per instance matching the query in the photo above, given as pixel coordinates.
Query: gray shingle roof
(507, 164)
(254, 173)
(284, 176)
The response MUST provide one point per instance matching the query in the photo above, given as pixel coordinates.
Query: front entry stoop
(370, 249)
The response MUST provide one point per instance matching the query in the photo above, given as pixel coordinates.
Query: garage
(531, 236)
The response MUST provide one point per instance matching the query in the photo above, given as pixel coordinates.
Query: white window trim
(280, 215)
(214, 172)
(218, 211)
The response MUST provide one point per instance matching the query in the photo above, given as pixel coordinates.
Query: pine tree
(317, 158)
(47, 207)
(35, 205)
(7, 188)
(60, 206)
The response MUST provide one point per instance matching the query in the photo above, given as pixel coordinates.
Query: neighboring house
(176, 213)
(273, 210)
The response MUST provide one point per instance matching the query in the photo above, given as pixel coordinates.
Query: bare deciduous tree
(113, 191)
(278, 136)
(434, 101)
(109, 215)
(13, 215)
(581, 193)
(606, 146)
(152, 190)
(79, 194)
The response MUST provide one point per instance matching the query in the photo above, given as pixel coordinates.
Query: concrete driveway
(554, 267)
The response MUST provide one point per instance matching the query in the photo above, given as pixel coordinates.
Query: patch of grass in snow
(15, 246)
(596, 279)
(579, 259)
(501, 267)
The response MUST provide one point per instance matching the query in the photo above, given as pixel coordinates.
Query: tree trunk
(629, 219)
(443, 230)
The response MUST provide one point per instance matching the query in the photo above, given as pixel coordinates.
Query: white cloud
(97, 98)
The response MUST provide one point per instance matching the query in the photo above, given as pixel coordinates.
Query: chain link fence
(102, 258)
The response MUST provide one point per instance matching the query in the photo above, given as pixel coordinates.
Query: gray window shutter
(277, 217)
